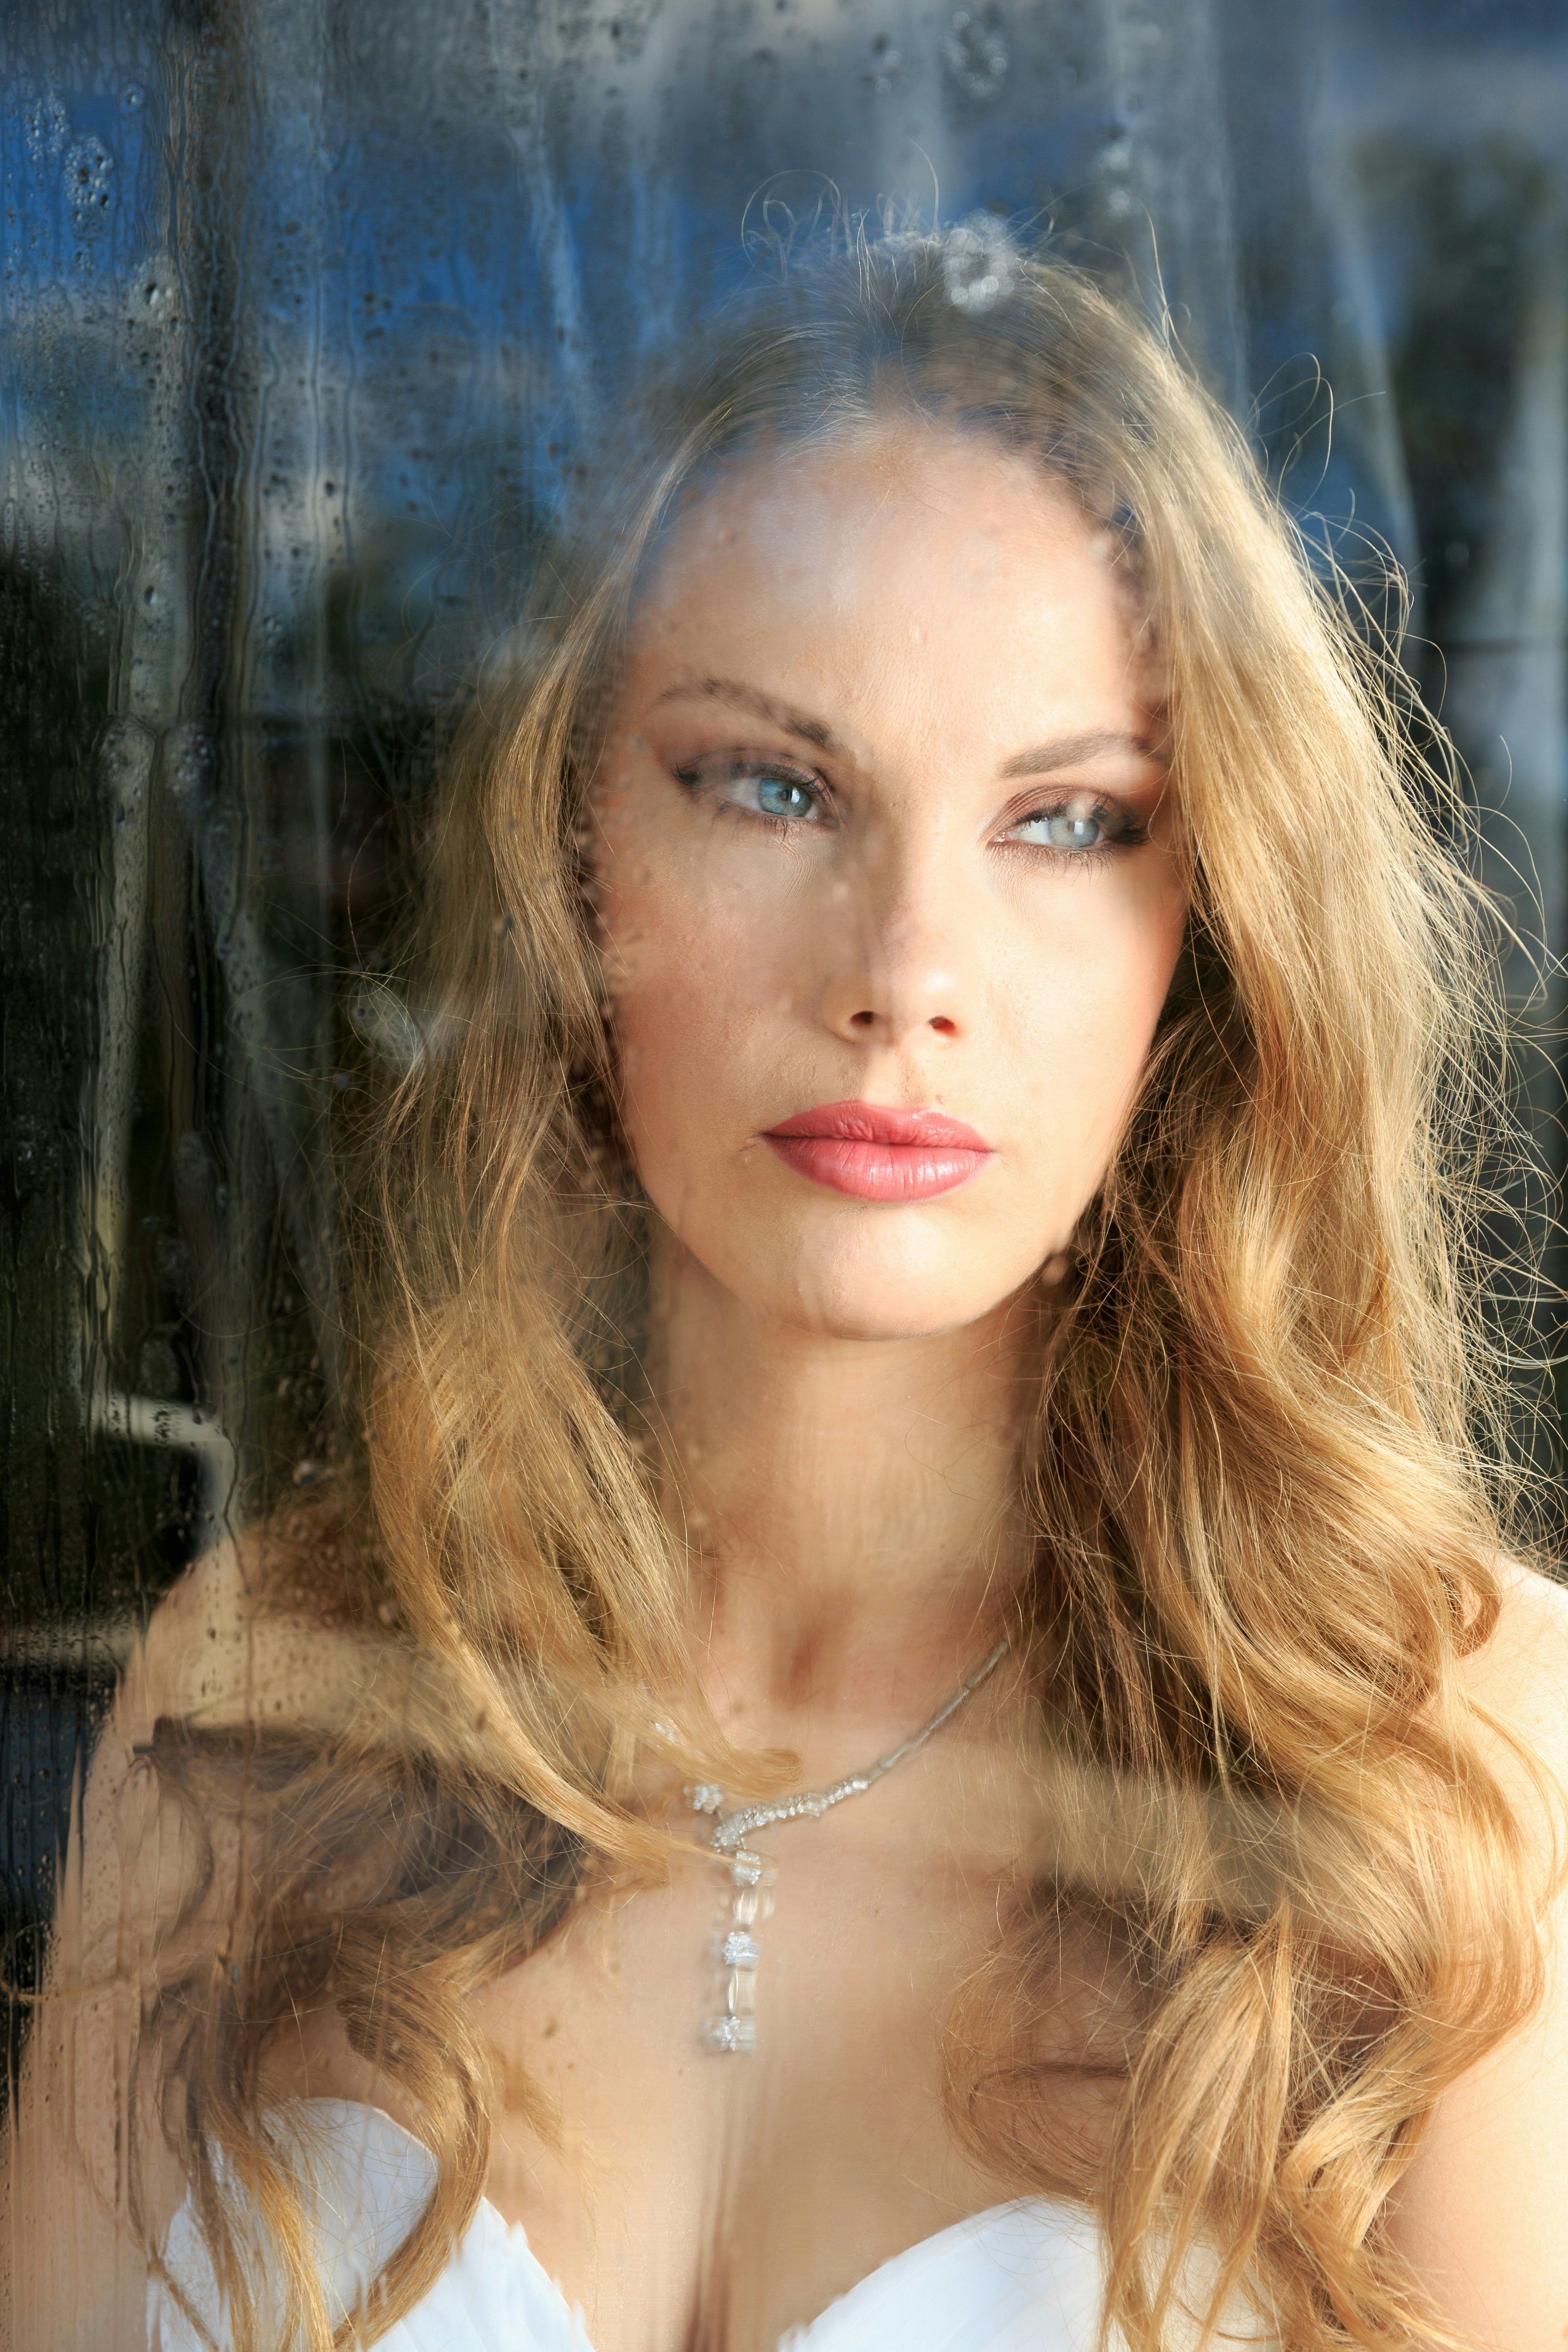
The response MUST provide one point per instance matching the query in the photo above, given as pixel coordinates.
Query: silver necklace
(737, 1948)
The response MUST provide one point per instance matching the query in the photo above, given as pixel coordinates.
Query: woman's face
(882, 832)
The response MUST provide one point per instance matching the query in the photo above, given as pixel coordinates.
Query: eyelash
(704, 775)
(1106, 814)
(701, 775)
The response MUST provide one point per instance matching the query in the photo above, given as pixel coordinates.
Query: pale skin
(882, 816)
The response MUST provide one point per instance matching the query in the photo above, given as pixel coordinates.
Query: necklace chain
(737, 1949)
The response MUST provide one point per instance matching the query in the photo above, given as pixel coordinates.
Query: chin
(857, 1295)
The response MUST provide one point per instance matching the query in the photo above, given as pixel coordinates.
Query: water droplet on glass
(975, 57)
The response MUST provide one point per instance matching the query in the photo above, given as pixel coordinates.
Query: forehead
(905, 543)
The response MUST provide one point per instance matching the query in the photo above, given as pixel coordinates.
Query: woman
(929, 1225)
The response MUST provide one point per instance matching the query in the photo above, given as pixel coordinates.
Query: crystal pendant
(732, 2034)
(737, 1948)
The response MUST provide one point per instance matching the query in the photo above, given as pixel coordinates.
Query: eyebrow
(762, 706)
(1067, 750)
(1039, 759)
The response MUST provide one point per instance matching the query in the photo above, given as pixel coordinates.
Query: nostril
(862, 1020)
(942, 1025)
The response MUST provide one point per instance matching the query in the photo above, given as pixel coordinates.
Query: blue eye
(1072, 829)
(779, 796)
(749, 784)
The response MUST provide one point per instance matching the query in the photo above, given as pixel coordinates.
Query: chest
(690, 2198)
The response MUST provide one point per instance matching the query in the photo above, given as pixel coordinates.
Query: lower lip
(878, 1172)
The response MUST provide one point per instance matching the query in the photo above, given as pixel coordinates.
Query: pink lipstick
(875, 1154)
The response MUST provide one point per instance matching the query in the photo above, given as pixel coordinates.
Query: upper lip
(864, 1122)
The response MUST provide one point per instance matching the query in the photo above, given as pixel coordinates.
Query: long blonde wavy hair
(1261, 1475)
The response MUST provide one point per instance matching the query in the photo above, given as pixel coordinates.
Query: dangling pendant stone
(737, 1947)
(732, 2034)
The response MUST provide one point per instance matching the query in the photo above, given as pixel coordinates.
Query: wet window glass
(644, 643)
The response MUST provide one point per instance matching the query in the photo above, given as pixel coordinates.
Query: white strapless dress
(1021, 2276)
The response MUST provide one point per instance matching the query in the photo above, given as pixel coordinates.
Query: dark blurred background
(312, 309)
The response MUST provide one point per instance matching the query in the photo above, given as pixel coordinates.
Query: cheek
(698, 971)
(1085, 1006)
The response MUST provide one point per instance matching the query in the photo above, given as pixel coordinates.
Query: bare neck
(850, 1504)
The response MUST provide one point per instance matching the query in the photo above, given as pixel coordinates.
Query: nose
(898, 952)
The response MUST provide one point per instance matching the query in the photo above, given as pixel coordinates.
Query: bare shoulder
(1518, 1683)
(1478, 2212)
(1521, 1675)
(247, 1639)
(259, 1630)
